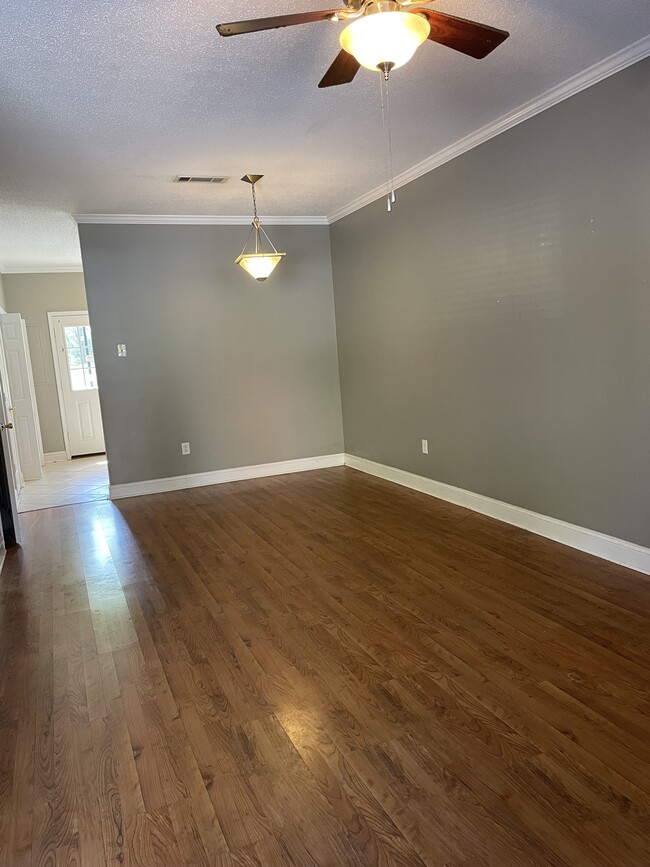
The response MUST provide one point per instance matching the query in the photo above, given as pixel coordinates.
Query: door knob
(8, 426)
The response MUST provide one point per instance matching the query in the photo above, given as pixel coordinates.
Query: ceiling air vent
(200, 179)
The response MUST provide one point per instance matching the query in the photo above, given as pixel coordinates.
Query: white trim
(601, 545)
(599, 71)
(72, 268)
(51, 316)
(196, 220)
(55, 457)
(609, 66)
(218, 477)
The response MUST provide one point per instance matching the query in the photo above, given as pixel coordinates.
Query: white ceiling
(103, 103)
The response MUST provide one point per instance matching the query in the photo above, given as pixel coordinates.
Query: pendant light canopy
(261, 262)
(384, 38)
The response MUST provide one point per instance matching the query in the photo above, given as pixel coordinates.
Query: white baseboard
(599, 544)
(608, 547)
(55, 457)
(218, 477)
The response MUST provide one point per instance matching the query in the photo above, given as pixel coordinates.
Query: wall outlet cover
(185, 448)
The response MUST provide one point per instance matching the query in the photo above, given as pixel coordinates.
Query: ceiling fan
(383, 34)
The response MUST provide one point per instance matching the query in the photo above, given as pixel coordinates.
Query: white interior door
(74, 364)
(21, 386)
(32, 392)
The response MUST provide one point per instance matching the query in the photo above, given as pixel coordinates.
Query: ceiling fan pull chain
(389, 205)
(388, 142)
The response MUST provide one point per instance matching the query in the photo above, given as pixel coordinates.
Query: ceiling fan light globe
(385, 38)
(259, 265)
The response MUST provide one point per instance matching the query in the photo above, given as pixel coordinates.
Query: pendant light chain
(256, 223)
(254, 201)
(388, 140)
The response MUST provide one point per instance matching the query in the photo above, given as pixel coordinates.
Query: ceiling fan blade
(237, 27)
(342, 71)
(476, 40)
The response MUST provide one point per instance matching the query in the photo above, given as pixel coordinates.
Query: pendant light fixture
(384, 37)
(261, 262)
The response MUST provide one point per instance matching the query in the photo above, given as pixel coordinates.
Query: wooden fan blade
(342, 71)
(476, 40)
(237, 27)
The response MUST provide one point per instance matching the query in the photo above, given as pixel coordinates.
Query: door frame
(11, 442)
(51, 316)
(13, 494)
(22, 391)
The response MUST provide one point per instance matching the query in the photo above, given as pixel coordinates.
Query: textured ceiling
(102, 103)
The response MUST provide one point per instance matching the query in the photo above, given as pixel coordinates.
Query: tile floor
(82, 480)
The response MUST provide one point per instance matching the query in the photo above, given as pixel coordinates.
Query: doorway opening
(79, 474)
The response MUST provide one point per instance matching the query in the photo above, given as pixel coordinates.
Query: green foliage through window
(81, 359)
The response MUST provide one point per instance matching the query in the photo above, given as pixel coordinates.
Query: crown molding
(195, 220)
(599, 71)
(73, 267)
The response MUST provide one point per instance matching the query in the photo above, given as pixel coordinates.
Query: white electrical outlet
(185, 448)
(121, 350)
(425, 447)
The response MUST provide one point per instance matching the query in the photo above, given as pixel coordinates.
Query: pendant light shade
(386, 38)
(259, 262)
(259, 266)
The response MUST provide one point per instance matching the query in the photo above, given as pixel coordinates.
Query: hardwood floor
(318, 669)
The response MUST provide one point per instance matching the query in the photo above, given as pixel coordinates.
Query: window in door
(80, 357)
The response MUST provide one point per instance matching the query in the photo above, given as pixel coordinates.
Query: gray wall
(34, 296)
(502, 311)
(246, 372)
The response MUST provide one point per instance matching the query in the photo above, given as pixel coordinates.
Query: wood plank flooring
(318, 669)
